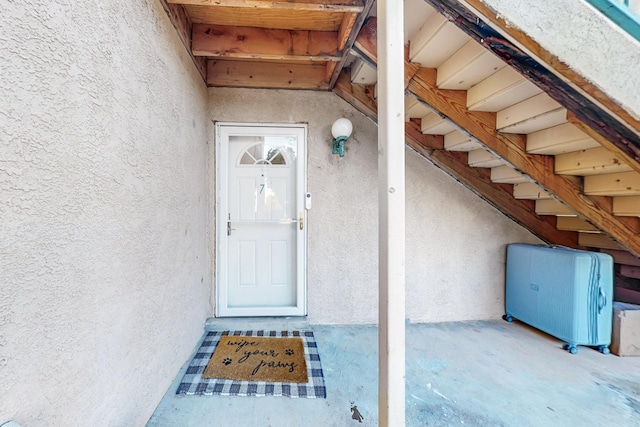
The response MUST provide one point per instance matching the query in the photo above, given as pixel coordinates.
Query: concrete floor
(469, 373)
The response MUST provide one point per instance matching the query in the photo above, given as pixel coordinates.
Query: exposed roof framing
(298, 44)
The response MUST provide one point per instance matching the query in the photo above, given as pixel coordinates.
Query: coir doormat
(260, 360)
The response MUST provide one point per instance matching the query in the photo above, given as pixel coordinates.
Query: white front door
(261, 220)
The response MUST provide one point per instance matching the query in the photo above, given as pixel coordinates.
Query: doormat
(258, 359)
(194, 381)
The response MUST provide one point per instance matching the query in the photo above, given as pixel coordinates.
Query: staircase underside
(510, 129)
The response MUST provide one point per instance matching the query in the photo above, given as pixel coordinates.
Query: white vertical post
(391, 199)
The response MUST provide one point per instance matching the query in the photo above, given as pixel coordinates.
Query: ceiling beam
(355, 6)
(348, 44)
(265, 75)
(621, 133)
(481, 126)
(259, 43)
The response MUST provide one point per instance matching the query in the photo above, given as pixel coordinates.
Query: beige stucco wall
(584, 39)
(104, 277)
(455, 240)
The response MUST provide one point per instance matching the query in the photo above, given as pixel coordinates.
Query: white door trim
(222, 132)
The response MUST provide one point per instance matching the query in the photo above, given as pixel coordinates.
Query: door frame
(222, 131)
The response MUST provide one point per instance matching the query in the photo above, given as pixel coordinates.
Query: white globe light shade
(342, 127)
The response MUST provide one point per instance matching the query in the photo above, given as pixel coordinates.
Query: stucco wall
(585, 40)
(455, 240)
(104, 277)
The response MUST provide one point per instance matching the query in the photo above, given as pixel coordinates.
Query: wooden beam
(366, 41)
(622, 257)
(478, 180)
(359, 96)
(391, 216)
(348, 21)
(481, 125)
(292, 19)
(261, 43)
(630, 271)
(182, 24)
(351, 38)
(355, 6)
(266, 75)
(601, 121)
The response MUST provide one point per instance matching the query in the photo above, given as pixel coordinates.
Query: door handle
(229, 229)
(301, 220)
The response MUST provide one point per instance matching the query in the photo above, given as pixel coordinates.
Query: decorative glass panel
(262, 154)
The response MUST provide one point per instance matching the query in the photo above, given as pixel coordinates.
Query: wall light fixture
(341, 131)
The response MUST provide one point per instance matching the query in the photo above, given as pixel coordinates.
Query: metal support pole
(391, 199)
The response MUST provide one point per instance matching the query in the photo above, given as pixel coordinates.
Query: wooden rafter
(355, 29)
(260, 43)
(265, 75)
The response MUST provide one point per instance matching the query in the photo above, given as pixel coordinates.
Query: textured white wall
(455, 240)
(104, 277)
(585, 40)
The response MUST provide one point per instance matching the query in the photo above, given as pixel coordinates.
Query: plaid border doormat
(193, 383)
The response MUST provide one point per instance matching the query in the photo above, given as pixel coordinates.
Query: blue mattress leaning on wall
(564, 292)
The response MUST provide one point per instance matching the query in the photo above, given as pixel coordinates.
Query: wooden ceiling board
(247, 42)
(265, 18)
(266, 75)
(312, 5)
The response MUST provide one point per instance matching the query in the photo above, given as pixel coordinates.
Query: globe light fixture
(341, 131)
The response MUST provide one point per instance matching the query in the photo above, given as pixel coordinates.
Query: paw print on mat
(289, 352)
(227, 361)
